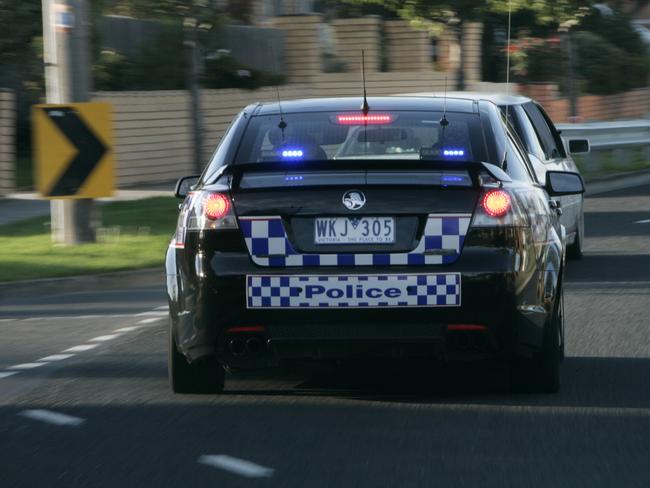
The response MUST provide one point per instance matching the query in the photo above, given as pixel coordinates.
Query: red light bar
(246, 328)
(466, 327)
(360, 119)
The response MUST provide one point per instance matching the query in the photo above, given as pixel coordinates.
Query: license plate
(353, 291)
(354, 230)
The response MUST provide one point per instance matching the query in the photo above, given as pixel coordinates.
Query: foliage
(227, 72)
(21, 60)
(453, 12)
(606, 68)
(610, 56)
(536, 59)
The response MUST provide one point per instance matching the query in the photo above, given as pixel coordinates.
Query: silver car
(547, 152)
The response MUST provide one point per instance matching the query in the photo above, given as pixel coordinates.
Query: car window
(526, 132)
(516, 166)
(544, 132)
(554, 132)
(321, 136)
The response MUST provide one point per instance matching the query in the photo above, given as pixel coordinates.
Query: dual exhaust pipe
(252, 346)
(467, 340)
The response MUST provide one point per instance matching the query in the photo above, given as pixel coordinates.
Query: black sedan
(412, 227)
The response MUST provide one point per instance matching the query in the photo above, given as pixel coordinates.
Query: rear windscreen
(320, 136)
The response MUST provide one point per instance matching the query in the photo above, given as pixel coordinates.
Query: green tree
(455, 14)
(21, 60)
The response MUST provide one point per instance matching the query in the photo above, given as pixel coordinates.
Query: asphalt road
(102, 414)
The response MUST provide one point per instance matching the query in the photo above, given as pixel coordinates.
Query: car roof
(496, 98)
(353, 104)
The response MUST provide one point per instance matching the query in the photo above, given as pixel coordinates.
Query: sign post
(66, 47)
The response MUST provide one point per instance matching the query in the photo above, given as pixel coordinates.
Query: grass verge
(133, 235)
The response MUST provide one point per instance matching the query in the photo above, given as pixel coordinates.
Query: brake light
(456, 327)
(361, 119)
(216, 206)
(497, 203)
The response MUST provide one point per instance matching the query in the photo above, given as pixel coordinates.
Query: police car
(410, 227)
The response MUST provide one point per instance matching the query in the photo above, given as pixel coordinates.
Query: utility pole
(569, 72)
(66, 46)
(194, 72)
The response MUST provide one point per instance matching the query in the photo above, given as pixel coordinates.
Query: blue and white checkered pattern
(268, 245)
(353, 291)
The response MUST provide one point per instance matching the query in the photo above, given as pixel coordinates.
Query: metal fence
(615, 146)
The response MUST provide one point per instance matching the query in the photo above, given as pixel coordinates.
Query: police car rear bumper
(469, 309)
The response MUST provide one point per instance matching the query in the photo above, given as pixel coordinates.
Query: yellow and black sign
(73, 150)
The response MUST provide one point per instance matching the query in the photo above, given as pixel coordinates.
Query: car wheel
(574, 251)
(205, 376)
(541, 374)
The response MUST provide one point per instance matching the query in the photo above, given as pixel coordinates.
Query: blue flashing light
(292, 153)
(453, 153)
(452, 178)
(294, 178)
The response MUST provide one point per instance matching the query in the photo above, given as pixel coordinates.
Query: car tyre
(541, 374)
(204, 376)
(574, 251)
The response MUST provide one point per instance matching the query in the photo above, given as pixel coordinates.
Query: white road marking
(127, 329)
(104, 338)
(6, 374)
(81, 348)
(614, 284)
(52, 417)
(26, 365)
(75, 317)
(148, 321)
(55, 357)
(164, 307)
(235, 465)
(647, 221)
(152, 312)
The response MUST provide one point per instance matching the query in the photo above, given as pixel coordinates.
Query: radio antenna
(365, 108)
(444, 122)
(505, 155)
(282, 125)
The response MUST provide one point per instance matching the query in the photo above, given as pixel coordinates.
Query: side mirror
(185, 185)
(579, 146)
(560, 183)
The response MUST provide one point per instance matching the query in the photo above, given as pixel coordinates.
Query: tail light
(496, 203)
(498, 206)
(204, 211)
(216, 206)
(211, 211)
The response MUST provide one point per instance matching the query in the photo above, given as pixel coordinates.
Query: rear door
(554, 158)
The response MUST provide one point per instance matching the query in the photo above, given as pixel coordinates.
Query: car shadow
(598, 382)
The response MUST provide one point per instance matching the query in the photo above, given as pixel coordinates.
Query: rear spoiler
(350, 172)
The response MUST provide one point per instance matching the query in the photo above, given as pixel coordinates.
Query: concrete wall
(633, 104)
(7, 142)
(153, 129)
(473, 51)
(302, 50)
(407, 49)
(353, 35)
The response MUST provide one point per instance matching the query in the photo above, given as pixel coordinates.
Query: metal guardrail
(614, 146)
(609, 135)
